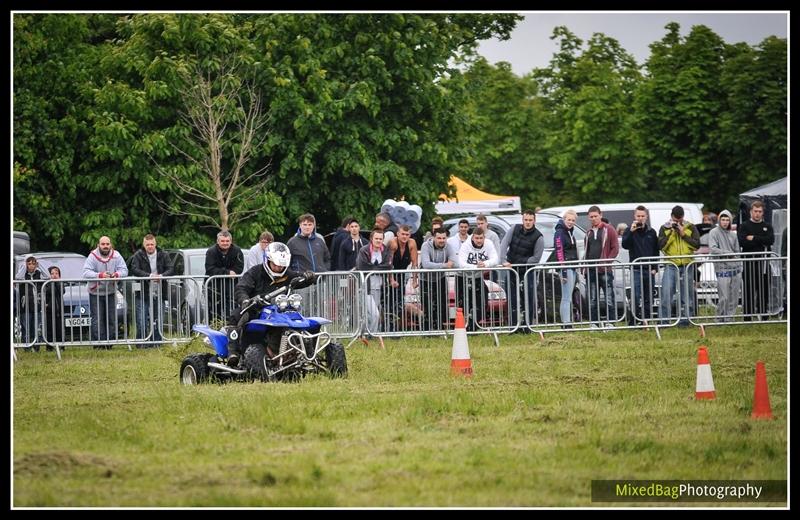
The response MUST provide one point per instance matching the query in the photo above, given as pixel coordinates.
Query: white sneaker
(594, 326)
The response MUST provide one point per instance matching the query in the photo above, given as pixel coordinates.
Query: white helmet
(279, 255)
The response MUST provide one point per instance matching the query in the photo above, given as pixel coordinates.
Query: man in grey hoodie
(436, 254)
(101, 265)
(723, 241)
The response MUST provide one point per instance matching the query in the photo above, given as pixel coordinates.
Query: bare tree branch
(215, 102)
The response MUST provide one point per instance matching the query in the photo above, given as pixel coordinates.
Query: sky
(530, 44)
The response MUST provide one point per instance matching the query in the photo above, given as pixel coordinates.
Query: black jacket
(219, 263)
(256, 282)
(139, 265)
(641, 243)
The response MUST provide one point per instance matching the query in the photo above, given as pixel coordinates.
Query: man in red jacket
(601, 246)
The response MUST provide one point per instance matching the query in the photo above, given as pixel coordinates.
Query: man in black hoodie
(755, 236)
(641, 240)
(260, 280)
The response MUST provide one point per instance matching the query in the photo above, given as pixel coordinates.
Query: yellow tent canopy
(470, 199)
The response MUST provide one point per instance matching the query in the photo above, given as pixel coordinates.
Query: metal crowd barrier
(143, 312)
(423, 302)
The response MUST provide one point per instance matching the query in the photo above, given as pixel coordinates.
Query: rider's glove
(308, 275)
(246, 303)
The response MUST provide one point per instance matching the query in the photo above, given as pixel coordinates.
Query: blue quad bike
(281, 345)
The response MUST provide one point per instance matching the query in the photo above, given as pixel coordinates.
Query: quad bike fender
(219, 340)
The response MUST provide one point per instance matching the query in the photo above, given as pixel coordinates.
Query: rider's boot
(233, 345)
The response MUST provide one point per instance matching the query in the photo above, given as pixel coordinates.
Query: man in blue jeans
(152, 263)
(601, 243)
(641, 240)
(678, 239)
(522, 248)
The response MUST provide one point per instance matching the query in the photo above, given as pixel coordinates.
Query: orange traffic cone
(460, 364)
(705, 383)
(761, 407)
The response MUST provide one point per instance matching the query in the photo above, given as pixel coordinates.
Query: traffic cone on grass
(705, 383)
(761, 407)
(460, 364)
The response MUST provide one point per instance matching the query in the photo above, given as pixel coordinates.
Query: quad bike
(281, 345)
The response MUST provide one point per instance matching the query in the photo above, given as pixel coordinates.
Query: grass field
(537, 422)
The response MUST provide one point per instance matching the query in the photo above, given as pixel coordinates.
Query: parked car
(186, 301)
(77, 315)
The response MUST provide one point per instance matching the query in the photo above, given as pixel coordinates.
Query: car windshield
(197, 264)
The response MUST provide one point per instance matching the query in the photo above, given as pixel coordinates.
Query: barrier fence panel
(424, 301)
(743, 288)
(219, 293)
(336, 296)
(578, 295)
(27, 318)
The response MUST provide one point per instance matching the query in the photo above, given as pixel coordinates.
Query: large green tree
(753, 126)
(55, 63)
(363, 107)
(509, 134)
(679, 108)
(590, 136)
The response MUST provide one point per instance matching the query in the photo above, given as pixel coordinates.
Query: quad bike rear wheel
(194, 369)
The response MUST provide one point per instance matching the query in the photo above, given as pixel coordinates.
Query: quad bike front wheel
(336, 360)
(255, 362)
(194, 369)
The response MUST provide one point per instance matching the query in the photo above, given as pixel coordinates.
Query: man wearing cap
(28, 295)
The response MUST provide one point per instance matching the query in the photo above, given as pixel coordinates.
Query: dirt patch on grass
(64, 462)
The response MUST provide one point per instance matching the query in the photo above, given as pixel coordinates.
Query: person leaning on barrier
(756, 236)
(53, 308)
(102, 264)
(222, 259)
(375, 257)
(677, 238)
(641, 241)
(150, 262)
(309, 252)
(258, 253)
(723, 241)
(522, 247)
(476, 253)
(260, 280)
(436, 254)
(566, 250)
(600, 243)
(32, 271)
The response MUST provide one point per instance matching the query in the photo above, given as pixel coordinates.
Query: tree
(753, 126)
(508, 136)
(679, 108)
(590, 139)
(55, 58)
(214, 100)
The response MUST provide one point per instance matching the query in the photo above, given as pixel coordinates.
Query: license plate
(78, 322)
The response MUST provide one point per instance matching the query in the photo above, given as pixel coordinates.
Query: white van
(623, 212)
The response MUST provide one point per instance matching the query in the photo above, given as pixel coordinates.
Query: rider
(258, 281)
